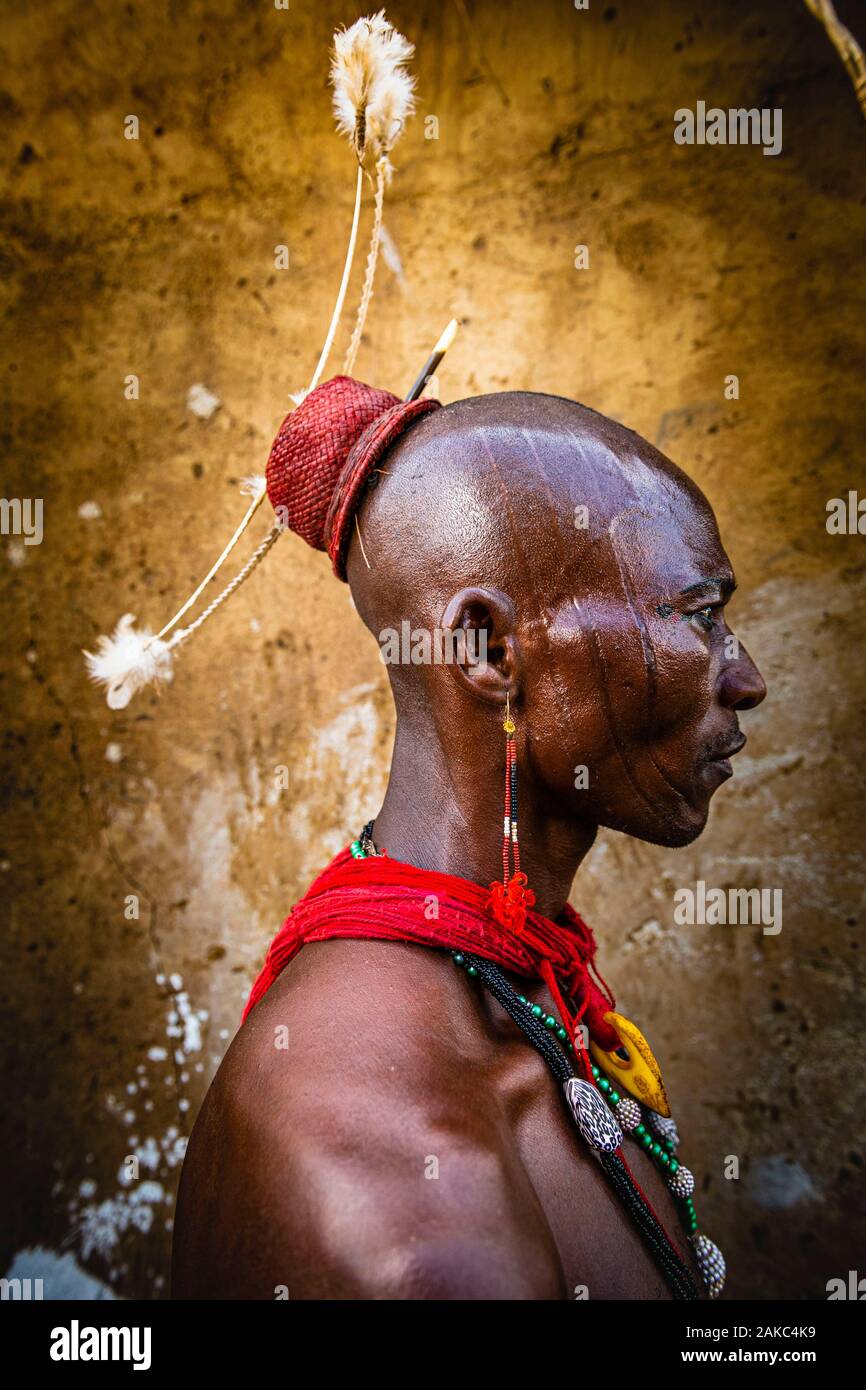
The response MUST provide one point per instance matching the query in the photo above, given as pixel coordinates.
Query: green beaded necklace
(662, 1149)
(656, 1135)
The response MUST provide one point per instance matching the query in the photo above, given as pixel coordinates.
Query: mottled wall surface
(156, 258)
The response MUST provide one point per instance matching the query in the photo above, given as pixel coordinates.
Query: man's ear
(485, 655)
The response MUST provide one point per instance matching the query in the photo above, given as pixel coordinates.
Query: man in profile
(410, 1141)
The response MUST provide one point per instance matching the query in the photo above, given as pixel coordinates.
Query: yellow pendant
(637, 1071)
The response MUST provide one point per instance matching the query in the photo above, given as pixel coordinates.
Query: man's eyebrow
(725, 584)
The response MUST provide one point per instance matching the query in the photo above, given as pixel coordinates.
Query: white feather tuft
(128, 660)
(255, 485)
(373, 93)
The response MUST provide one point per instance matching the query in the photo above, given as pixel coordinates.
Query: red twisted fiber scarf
(382, 899)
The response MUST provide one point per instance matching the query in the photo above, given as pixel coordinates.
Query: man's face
(610, 561)
(646, 677)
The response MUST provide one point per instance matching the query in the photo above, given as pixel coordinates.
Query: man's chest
(602, 1254)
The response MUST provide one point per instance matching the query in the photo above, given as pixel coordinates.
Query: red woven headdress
(323, 455)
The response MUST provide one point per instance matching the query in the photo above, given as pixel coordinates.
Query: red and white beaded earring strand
(510, 899)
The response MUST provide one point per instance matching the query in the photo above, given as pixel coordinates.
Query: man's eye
(706, 616)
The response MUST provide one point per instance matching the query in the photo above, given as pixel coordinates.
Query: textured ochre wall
(155, 257)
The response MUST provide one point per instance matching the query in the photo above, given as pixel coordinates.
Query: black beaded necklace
(599, 1127)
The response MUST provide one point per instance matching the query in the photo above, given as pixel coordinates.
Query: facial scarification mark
(649, 492)
(647, 647)
(540, 607)
(613, 721)
(600, 665)
(647, 495)
(565, 556)
(648, 485)
(631, 600)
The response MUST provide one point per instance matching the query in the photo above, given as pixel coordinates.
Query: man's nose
(742, 685)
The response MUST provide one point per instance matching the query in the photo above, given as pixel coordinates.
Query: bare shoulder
(354, 1144)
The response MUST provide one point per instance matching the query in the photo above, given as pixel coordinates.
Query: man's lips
(729, 749)
(718, 764)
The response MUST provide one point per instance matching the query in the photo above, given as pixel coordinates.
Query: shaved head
(498, 485)
(594, 567)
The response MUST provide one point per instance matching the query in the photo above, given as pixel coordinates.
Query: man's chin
(677, 837)
(673, 830)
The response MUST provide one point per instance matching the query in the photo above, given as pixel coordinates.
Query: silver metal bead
(628, 1113)
(592, 1116)
(711, 1263)
(682, 1182)
(663, 1127)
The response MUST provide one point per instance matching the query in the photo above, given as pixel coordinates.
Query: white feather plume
(373, 97)
(373, 93)
(128, 660)
(255, 485)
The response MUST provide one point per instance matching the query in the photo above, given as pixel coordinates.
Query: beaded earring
(510, 899)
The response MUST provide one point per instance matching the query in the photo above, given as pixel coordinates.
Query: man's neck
(446, 814)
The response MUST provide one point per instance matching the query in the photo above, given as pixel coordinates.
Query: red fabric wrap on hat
(323, 455)
(373, 444)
